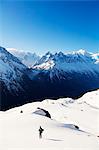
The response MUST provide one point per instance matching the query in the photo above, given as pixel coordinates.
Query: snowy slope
(11, 70)
(91, 98)
(27, 58)
(20, 130)
(15, 85)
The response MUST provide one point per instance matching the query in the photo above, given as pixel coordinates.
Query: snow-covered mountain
(11, 69)
(13, 80)
(27, 58)
(19, 126)
(53, 76)
(70, 74)
(78, 61)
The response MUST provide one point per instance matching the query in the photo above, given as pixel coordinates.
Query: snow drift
(20, 130)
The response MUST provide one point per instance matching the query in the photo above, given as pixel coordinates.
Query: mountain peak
(48, 54)
(81, 52)
(60, 54)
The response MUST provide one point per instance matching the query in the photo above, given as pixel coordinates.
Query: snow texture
(19, 131)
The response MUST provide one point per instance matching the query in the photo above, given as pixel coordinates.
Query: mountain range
(50, 76)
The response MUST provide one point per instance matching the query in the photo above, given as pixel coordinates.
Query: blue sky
(43, 26)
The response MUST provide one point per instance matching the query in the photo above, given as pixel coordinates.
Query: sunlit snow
(19, 126)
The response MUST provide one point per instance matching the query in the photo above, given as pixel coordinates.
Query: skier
(40, 132)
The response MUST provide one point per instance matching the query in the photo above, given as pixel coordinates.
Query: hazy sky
(42, 26)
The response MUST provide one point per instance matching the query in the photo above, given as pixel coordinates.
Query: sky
(42, 26)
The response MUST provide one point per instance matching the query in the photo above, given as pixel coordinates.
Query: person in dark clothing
(40, 132)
